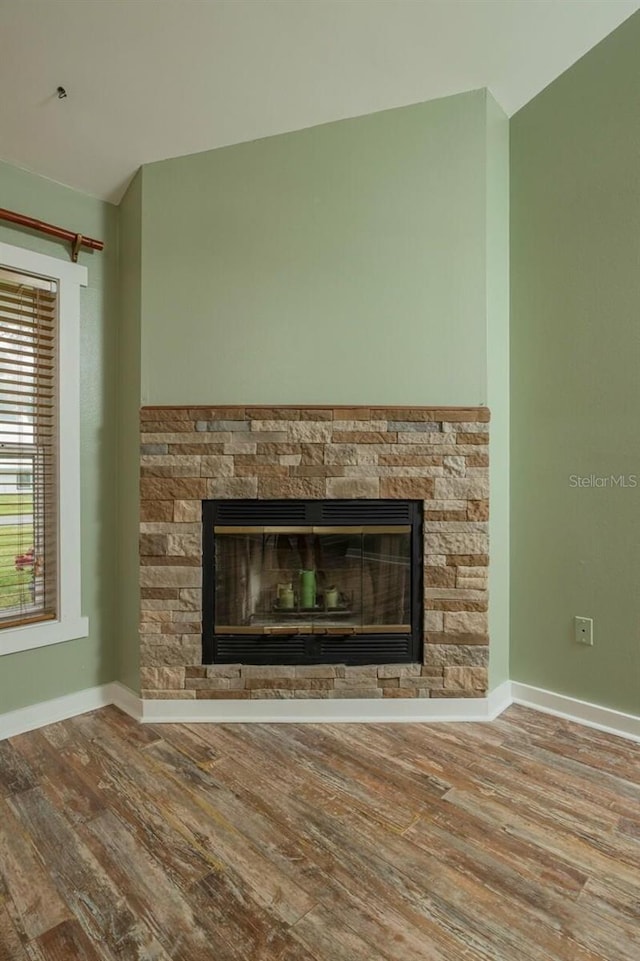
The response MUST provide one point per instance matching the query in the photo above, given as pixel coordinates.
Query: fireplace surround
(436, 456)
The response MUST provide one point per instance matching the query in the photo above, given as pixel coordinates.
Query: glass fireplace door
(312, 580)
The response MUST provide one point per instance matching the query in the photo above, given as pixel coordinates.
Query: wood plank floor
(517, 840)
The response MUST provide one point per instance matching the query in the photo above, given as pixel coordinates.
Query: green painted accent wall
(497, 293)
(359, 262)
(128, 404)
(341, 264)
(575, 362)
(38, 675)
(364, 261)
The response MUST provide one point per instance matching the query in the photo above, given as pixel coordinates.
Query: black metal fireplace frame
(374, 648)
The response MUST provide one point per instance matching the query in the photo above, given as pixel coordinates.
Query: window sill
(42, 635)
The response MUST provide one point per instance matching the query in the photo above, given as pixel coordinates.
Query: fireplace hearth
(312, 581)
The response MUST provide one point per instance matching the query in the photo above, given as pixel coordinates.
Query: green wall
(342, 264)
(128, 404)
(357, 262)
(497, 313)
(49, 672)
(575, 376)
(362, 261)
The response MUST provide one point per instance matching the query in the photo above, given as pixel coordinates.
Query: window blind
(28, 449)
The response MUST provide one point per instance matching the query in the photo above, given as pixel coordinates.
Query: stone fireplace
(437, 457)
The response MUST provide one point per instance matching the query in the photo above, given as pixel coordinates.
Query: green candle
(307, 589)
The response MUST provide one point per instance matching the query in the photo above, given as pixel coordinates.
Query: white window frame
(69, 624)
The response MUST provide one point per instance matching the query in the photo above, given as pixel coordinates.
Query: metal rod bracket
(75, 247)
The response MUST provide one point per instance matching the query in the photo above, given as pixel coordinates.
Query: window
(28, 448)
(39, 451)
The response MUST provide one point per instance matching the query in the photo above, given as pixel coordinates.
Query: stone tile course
(316, 413)
(154, 449)
(217, 465)
(437, 455)
(364, 437)
(154, 510)
(232, 487)
(187, 512)
(346, 487)
(308, 432)
(412, 488)
(352, 413)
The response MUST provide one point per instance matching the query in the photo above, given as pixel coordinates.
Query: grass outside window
(15, 540)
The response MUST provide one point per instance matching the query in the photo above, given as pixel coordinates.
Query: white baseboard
(582, 712)
(319, 710)
(291, 710)
(498, 700)
(126, 699)
(57, 709)
(331, 711)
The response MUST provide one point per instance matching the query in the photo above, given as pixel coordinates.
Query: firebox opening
(309, 582)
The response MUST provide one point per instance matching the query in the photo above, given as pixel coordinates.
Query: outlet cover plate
(583, 630)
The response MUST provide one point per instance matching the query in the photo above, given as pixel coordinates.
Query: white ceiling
(150, 79)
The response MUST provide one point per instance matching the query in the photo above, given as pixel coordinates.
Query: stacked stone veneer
(439, 456)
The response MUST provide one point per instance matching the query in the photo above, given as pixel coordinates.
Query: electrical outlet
(583, 628)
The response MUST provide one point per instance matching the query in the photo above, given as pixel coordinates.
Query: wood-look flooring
(517, 840)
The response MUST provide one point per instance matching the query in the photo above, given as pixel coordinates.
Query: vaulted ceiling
(150, 79)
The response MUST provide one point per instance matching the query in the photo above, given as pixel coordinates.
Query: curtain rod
(75, 239)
